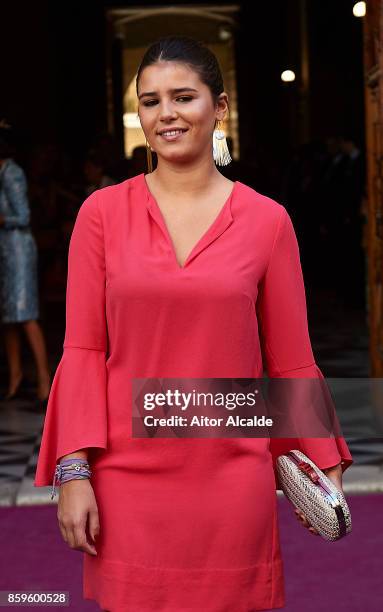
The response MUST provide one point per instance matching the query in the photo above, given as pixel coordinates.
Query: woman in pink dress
(177, 273)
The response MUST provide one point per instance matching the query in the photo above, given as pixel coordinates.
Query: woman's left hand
(335, 475)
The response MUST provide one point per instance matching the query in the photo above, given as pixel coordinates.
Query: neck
(194, 179)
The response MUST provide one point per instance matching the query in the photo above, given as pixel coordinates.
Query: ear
(222, 106)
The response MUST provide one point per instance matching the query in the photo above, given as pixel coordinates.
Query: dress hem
(246, 589)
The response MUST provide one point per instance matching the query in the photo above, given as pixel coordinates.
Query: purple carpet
(345, 575)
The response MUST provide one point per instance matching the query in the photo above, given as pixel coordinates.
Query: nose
(167, 110)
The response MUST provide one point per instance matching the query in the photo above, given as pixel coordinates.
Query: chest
(154, 250)
(186, 225)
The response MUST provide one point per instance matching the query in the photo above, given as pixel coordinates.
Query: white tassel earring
(221, 153)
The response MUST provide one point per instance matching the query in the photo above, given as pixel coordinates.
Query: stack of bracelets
(70, 469)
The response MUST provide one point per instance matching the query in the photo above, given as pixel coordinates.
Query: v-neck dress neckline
(222, 221)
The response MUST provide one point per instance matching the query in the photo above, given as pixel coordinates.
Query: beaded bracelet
(70, 469)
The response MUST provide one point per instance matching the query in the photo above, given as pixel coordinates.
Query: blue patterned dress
(19, 299)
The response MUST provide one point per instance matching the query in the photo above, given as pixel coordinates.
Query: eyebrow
(177, 90)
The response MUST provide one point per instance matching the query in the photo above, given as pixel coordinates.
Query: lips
(171, 129)
(172, 134)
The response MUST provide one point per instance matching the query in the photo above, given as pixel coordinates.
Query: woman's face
(171, 95)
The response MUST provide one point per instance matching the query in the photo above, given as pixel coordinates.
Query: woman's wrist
(80, 454)
(334, 473)
(336, 469)
(70, 467)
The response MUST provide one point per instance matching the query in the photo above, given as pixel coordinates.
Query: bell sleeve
(285, 341)
(76, 415)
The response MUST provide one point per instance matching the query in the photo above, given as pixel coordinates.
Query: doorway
(131, 30)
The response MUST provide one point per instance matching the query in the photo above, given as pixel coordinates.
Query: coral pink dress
(185, 524)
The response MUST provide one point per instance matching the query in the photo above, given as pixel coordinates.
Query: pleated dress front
(185, 523)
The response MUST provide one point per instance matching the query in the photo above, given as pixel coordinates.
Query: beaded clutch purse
(309, 489)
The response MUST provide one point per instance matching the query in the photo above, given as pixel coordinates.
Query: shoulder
(107, 203)
(13, 172)
(260, 200)
(109, 195)
(261, 207)
(110, 203)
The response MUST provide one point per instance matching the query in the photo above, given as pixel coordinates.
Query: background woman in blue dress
(19, 300)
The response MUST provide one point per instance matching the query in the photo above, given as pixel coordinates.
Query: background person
(18, 273)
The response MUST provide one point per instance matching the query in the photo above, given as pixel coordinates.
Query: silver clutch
(309, 489)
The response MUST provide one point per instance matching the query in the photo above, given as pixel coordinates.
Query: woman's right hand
(77, 515)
